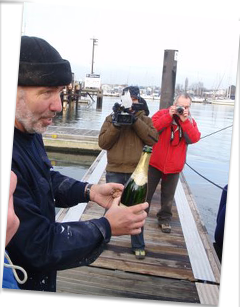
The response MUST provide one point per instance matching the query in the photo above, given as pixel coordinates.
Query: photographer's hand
(183, 116)
(172, 110)
(114, 120)
(116, 109)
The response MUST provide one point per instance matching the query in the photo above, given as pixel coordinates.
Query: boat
(150, 97)
(198, 99)
(229, 102)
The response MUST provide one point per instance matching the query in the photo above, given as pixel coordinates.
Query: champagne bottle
(135, 189)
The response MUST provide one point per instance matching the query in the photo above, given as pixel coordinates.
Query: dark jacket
(41, 246)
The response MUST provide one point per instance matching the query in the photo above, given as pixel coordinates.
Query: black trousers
(168, 188)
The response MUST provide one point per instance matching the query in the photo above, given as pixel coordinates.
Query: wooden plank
(92, 176)
(165, 274)
(208, 245)
(102, 282)
(166, 253)
(200, 264)
(208, 294)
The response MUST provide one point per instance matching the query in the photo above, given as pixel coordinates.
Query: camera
(124, 118)
(121, 116)
(180, 110)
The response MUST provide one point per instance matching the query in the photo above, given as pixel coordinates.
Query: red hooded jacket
(169, 153)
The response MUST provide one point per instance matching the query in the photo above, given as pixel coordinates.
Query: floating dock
(181, 266)
(71, 140)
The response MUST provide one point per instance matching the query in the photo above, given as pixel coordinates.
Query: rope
(14, 268)
(205, 177)
(215, 132)
(198, 172)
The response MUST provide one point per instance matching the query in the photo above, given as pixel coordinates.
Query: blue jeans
(137, 240)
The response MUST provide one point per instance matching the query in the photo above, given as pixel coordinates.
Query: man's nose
(56, 104)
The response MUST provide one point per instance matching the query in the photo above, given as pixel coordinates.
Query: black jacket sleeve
(41, 244)
(67, 191)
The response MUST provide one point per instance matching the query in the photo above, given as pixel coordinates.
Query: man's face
(184, 102)
(134, 100)
(36, 107)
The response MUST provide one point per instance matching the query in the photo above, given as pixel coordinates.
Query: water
(71, 165)
(210, 156)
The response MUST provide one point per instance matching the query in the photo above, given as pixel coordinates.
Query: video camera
(121, 116)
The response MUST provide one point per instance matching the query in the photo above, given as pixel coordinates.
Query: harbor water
(210, 157)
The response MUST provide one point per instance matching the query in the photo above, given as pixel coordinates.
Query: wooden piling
(99, 99)
(168, 78)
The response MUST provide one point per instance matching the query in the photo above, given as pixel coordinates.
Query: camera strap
(174, 122)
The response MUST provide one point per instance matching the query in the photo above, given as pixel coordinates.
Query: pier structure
(71, 140)
(75, 95)
(181, 266)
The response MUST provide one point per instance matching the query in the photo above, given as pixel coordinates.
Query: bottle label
(139, 178)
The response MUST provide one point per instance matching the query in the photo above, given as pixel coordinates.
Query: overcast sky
(132, 37)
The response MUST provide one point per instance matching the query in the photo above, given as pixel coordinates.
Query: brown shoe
(166, 228)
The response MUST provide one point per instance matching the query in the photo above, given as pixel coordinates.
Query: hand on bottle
(126, 220)
(104, 194)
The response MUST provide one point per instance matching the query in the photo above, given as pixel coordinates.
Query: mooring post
(169, 73)
(99, 99)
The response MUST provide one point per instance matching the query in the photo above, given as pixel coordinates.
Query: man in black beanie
(40, 66)
(41, 245)
(138, 102)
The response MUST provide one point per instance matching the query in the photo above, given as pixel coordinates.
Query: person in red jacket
(177, 129)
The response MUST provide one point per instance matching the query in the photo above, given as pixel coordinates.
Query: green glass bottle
(135, 189)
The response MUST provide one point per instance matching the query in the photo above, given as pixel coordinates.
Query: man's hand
(126, 220)
(172, 110)
(104, 194)
(184, 116)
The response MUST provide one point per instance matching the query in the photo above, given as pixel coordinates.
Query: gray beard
(30, 123)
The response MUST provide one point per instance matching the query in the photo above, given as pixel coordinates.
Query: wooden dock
(71, 140)
(181, 266)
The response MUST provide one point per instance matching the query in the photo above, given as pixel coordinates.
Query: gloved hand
(116, 107)
(142, 105)
(116, 110)
(137, 107)
(114, 120)
(134, 118)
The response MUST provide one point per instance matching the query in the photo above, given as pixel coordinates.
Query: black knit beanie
(41, 65)
(134, 91)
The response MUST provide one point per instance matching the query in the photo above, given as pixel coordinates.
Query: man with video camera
(124, 134)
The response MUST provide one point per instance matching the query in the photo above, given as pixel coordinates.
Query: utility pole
(186, 85)
(95, 40)
(168, 78)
